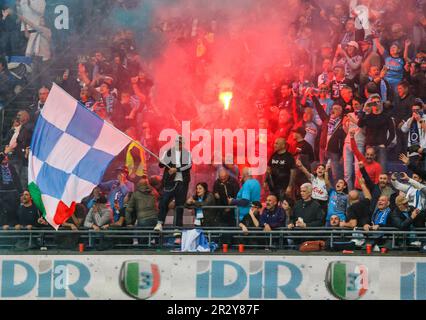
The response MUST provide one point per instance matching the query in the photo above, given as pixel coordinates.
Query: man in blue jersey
(338, 201)
(394, 63)
(249, 192)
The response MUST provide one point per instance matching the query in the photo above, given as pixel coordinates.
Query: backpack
(312, 246)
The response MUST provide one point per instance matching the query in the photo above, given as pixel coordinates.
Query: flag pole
(150, 152)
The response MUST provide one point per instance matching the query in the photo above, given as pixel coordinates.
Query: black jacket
(211, 218)
(310, 212)
(184, 168)
(337, 139)
(227, 189)
(418, 85)
(24, 141)
(403, 223)
(379, 129)
(403, 108)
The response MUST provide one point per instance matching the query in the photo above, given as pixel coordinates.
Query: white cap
(354, 44)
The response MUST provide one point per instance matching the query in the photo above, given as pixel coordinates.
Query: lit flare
(225, 98)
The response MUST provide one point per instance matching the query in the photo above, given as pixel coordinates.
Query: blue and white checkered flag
(70, 150)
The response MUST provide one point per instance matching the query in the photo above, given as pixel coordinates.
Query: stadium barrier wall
(194, 277)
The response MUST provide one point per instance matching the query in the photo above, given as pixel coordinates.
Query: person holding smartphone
(379, 128)
(415, 127)
(413, 188)
(377, 76)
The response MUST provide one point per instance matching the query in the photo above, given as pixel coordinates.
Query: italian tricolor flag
(62, 211)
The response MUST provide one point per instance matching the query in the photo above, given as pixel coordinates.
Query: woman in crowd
(201, 198)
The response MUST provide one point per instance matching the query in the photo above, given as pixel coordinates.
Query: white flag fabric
(70, 150)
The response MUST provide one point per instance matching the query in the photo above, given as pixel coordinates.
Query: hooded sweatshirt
(142, 205)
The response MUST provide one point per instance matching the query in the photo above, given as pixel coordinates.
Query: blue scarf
(199, 211)
(380, 217)
(414, 137)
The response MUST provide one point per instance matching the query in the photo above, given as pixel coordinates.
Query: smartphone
(372, 104)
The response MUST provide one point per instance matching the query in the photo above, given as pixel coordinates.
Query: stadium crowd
(345, 121)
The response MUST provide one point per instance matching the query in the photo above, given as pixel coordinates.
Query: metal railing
(194, 207)
(146, 238)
